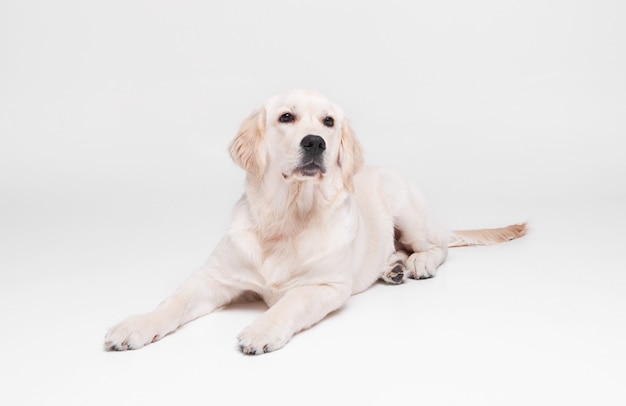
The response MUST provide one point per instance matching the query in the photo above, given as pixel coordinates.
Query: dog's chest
(294, 247)
(291, 260)
(286, 256)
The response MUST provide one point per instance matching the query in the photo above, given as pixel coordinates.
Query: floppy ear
(247, 147)
(350, 155)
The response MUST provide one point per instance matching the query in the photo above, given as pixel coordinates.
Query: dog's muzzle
(312, 162)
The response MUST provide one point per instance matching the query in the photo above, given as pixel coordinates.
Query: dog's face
(303, 133)
(298, 135)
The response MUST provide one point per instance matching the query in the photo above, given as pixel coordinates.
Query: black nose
(313, 144)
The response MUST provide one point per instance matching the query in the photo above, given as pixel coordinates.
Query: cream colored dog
(313, 228)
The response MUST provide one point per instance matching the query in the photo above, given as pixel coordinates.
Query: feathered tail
(487, 236)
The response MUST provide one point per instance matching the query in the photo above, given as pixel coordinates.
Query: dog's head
(298, 135)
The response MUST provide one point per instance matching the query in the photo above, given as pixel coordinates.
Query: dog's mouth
(311, 169)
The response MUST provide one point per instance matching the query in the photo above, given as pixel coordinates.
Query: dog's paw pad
(395, 275)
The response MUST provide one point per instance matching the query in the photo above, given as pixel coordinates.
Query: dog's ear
(350, 155)
(247, 147)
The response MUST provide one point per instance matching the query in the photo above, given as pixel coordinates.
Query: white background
(115, 184)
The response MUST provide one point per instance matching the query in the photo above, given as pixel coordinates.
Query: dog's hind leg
(421, 245)
(426, 246)
(422, 241)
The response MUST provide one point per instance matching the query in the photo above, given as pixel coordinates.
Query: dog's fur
(313, 228)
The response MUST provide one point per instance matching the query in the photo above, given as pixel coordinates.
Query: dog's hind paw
(395, 274)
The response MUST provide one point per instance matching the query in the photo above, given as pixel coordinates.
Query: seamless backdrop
(115, 184)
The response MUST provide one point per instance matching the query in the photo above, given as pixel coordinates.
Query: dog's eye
(329, 121)
(286, 118)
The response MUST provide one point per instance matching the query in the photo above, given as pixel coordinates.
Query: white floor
(115, 184)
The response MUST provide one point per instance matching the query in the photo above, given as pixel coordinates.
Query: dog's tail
(487, 236)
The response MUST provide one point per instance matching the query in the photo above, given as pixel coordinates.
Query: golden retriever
(313, 227)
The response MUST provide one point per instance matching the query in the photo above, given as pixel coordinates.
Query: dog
(313, 227)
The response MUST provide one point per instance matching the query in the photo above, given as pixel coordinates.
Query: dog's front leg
(199, 295)
(298, 309)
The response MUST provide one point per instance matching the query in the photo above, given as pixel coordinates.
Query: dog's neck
(281, 208)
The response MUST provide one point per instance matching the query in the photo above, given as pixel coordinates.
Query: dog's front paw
(259, 338)
(131, 334)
